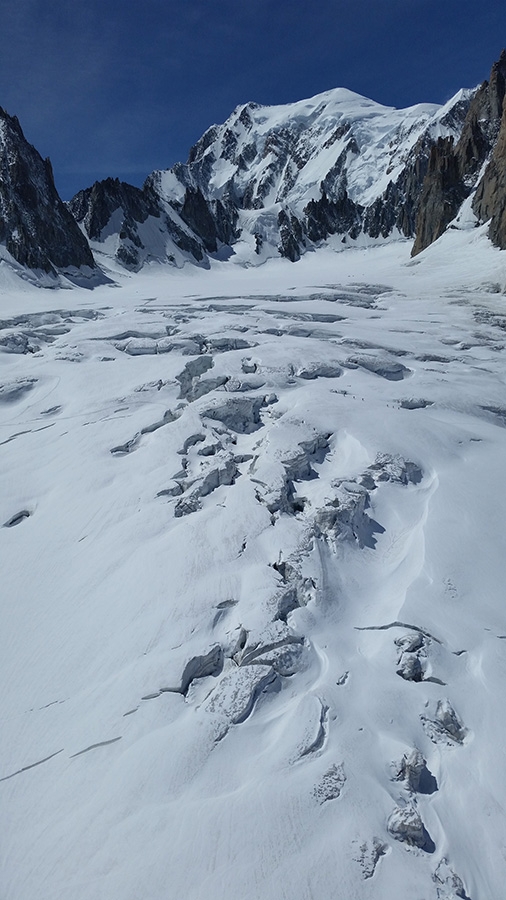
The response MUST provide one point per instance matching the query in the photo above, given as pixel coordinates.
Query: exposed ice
(331, 784)
(240, 414)
(413, 772)
(405, 824)
(448, 884)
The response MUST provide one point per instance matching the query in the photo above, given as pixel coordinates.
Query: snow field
(253, 577)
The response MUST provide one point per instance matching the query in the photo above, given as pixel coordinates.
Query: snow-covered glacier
(253, 623)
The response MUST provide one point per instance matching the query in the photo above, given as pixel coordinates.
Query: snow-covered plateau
(253, 574)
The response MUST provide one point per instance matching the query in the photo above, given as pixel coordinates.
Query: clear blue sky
(116, 87)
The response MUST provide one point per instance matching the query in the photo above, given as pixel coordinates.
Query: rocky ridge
(132, 225)
(490, 198)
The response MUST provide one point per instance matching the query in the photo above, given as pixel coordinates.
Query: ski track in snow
(258, 551)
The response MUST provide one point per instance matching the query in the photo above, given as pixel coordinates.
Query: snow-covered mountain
(133, 227)
(277, 180)
(337, 163)
(271, 181)
(284, 179)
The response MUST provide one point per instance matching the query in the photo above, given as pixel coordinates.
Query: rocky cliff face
(94, 207)
(490, 198)
(454, 167)
(443, 192)
(214, 222)
(36, 228)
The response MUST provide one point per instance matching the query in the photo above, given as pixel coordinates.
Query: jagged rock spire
(35, 226)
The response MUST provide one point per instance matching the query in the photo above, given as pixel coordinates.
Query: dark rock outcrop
(291, 238)
(94, 207)
(490, 198)
(339, 216)
(195, 212)
(35, 226)
(454, 169)
(443, 192)
(213, 221)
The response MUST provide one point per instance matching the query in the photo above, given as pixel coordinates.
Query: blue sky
(116, 87)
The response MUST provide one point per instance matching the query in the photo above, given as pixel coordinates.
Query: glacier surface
(253, 622)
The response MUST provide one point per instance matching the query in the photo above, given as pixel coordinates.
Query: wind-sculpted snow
(253, 630)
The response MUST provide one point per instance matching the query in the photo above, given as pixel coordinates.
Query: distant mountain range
(270, 181)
